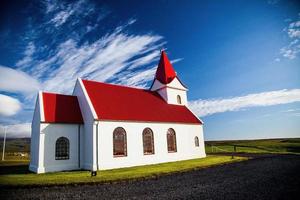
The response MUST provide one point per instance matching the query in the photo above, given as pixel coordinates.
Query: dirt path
(270, 177)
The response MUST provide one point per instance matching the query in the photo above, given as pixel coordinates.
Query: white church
(106, 126)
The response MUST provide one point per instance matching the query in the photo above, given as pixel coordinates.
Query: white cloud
(16, 130)
(27, 59)
(8, 105)
(294, 33)
(138, 78)
(57, 66)
(61, 17)
(288, 53)
(103, 60)
(176, 60)
(62, 12)
(17, 81)
(212, 106)
(293, 48)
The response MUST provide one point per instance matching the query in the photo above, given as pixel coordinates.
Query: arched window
(148, 141)
(62, 149)
(178, 99)
(171, 140)
(120, 143)
(196, 141)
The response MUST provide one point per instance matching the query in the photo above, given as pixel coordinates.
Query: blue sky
(239, 59)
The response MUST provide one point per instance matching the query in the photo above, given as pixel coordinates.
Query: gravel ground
(269, 177)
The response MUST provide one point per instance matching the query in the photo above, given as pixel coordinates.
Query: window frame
(171, 131)
(64, 152)
(124, 143)
(152, 141)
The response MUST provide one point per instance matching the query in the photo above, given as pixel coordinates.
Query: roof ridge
(58, 94)
(113, 84)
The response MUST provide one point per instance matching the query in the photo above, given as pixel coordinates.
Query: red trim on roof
(114, 102)
(165, 72)
(60, 108)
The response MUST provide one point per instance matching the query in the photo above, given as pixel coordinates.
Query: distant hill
(16, 145)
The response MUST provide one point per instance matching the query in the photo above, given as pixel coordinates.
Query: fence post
(4, 140)
(232, 156)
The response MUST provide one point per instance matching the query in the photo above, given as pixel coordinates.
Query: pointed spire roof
(165, 72)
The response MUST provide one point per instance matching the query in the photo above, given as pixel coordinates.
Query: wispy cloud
(57, 50)
(137, 79)
(28, 53)
(212, 106)
(104, 59)
(9, 105)
(293, 48)
(61, 17)
(16, 81)
(101, 60)
(61, 12)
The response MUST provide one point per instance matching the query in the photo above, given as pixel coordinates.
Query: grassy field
(19, 175)
(14, 170)
(255, 146)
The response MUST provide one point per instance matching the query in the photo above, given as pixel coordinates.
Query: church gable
(60, 108)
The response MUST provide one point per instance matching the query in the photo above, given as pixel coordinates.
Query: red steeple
(165, 72)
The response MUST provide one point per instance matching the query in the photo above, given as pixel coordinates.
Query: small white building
(105, 126)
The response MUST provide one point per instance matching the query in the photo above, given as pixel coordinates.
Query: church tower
(167, 84)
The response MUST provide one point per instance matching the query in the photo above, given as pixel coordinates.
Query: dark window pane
(119, 142)
(171, 140)
(196, 141)
(62, 149)
(148, 141)
(178, 99)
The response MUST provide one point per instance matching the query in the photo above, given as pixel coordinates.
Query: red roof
(114, 102)
(165, 72)
(60, 108)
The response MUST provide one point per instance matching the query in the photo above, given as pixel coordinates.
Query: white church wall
(48, 136)
(172, 96)
(163, 93)
(169, 92)
(88, 151)
(156, 85)
(185, 139)
(175, 83)
(35, 137)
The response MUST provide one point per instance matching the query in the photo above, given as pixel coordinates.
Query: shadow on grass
(18, 169)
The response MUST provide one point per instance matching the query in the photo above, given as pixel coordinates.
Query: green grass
(255, 146)
(19, 175)
(14, 171)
